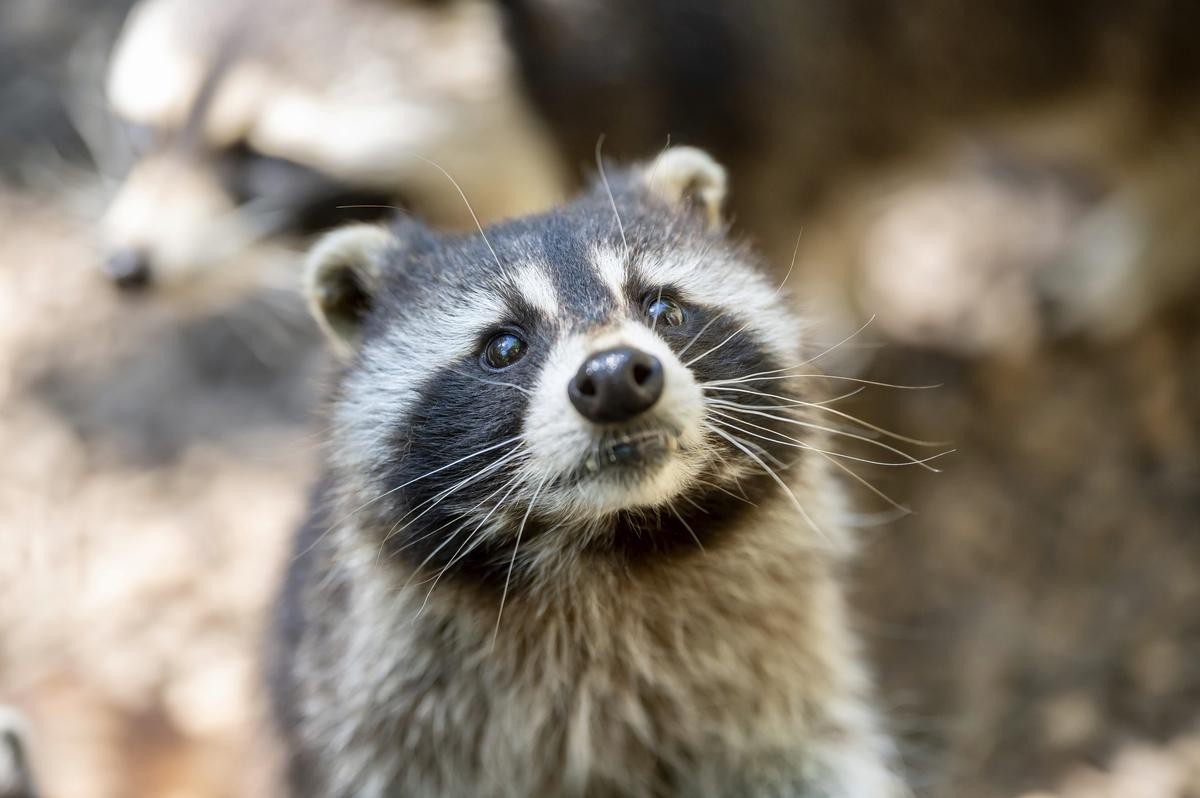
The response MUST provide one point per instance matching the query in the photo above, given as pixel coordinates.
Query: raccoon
(259, 122)
(577, 533)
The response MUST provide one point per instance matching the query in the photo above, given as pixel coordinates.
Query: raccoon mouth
(629, 451)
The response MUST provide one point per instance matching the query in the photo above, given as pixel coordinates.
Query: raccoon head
(197, 222)
(565, 383)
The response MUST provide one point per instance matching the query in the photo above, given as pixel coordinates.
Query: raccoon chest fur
(628, 681)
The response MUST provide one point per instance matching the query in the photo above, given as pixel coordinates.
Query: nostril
(586, 386)
(128, 269)
(642, 373)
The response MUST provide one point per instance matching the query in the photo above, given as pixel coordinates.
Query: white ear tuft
(341, 276)
(688, 176)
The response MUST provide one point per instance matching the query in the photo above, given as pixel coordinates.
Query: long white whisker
(466, 202)
(513, 561)
(792, 265)
(473, 538)
(452, 521)
(757, 377)
(763, 452)
(612, 200)
(742, 409)
(823, 407)
(688, 527)
(729, 338)
(734, 421)
(795, 502)
(858, 478)
(437, 499)
(390, 491)
(696, 337)
(811, 360)
(726, 491)
(520, 388)
(847, 339)
(440, 546)
(654, 322)
(840, 397)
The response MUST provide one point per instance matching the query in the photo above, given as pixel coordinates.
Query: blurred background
(1019, 238)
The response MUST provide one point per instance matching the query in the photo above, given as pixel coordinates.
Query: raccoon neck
(768, 567)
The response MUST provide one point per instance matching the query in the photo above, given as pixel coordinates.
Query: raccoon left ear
(688, 176)
(341, 277)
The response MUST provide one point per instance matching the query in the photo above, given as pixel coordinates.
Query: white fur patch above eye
(718, 279)
(535, 286)
(610, 265)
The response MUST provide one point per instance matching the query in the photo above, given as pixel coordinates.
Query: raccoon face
(558, 382)
(193, 221)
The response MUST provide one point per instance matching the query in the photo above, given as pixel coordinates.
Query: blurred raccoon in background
(264, 113)
(258, 121)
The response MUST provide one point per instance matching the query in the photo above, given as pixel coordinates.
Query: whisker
(657, 299)
(862, 481)
(513, 561)
(840, 397)
(847, 339)
(692, 502)
(817, 375)
(811, 360)
(513, 385)
(792, 265)
(387, 493)
(474, 538)
(437, 499)
(726, 491)
(731, 336)
(466, 202)
(612, 200)
(763, 452)
(696, 337)
(742, 409)
(841, 414)
(688, 527)
(437, 529)
(795, 502)
(787, 440)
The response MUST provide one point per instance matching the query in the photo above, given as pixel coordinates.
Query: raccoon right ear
(690, 177)
(341, 277)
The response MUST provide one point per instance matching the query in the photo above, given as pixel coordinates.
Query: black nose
(616, 385)
(129, 269)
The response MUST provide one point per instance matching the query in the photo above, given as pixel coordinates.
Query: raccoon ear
(690, 177)
(341, 277)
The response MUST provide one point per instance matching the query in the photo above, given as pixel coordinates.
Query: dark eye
(503, 350)
(662, 310)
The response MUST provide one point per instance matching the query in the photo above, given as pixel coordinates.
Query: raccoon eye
(503, 350)
(665, 311)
